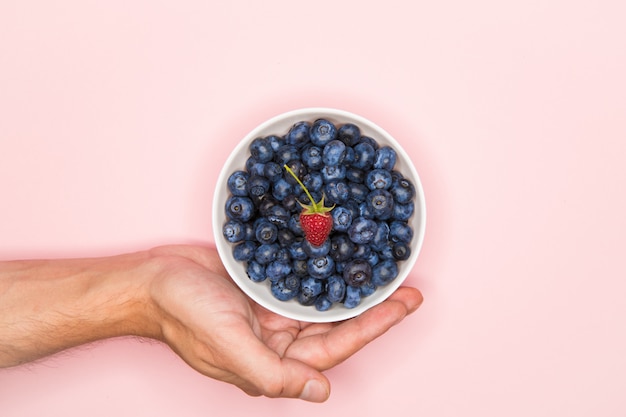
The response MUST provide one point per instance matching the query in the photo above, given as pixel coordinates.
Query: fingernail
(314, 391)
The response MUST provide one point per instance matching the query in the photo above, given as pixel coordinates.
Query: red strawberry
(315, 219)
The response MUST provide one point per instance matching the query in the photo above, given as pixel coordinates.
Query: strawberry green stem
(316, 208)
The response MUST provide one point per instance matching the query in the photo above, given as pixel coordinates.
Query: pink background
(115, 118)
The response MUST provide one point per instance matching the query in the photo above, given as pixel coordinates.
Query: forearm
(49, 306)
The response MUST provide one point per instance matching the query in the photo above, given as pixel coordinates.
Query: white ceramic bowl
(260, 292)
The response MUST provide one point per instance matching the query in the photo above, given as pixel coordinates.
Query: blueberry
(362, 251)
(244, 251)
(286, 153)
(358, 191)
(298, 168)
(378, 179)
(385, 272)
(333, 172)
(275, 141)
(294, 225)
(240, 208)
(335, 288)
(261, 150)
(353, 297)
(298, 135)
(385, 158)
(281, 189)
(312, 157)
(310, 289)
(341, 247)
(357, 272)
(322, 303)
(380, 204)
(290, 203)
(256, 271)
(369, 141)
(364, 155)
(364, 210)
(321, 267)
(337, 192)
(349, 134)
(402, 190)
(322, 132)
(296, 250)
(258, 186)
(403, 211)
(234, 231)
(280, 290)
(278, 216)
(362, 230)
(292, 281)
(298, 266)
(315, 251)
(401, 251)
(342, 218)
(400, 231)
(381, 238)
(367, 289)
(266, 232)
(355, 174)
(237, 183)
(272, 171)
(266, 253)
(313, 181)
(286, 237)
(255, 167)
(334, 152)
(276, 270)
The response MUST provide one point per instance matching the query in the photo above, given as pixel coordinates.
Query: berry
(276, 270)
(234, 231)
(349, 134)
(364, 155)
(322, 132)
(266, 232)
(322, 303)
(342, 218)
(402, 190)
(321, 267)
(353, 297)
(312, 157)
(362, 230)
(403, 211)
(261, 150)
(244, 251)
(298, 135)
(380, 204)
(280, 290)
(385, 158)
(400, 232)
(239, 208)
(334, 153)
(401, 251)
(357, 272)
(385, 272)
(315, 218)
(237, 183)
(256, 271)
(335, 288)
(379, 179)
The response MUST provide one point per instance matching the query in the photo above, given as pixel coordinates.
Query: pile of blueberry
(372, 205)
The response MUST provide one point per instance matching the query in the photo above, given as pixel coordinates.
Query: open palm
(220, 332)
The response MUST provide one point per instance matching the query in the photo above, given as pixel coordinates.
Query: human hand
(223, 334)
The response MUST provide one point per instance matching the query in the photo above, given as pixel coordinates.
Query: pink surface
(115, 118)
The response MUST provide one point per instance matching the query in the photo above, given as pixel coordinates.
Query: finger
(260, 371)
(325, 350)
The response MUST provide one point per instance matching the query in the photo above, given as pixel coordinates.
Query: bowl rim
(294, 310)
